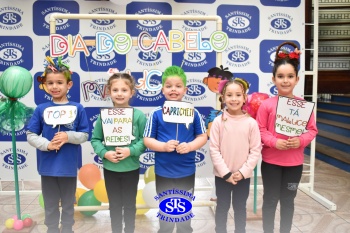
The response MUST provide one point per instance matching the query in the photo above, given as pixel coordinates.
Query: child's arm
(40, 142)
(158, 146)
(267, 137)
(197, 143)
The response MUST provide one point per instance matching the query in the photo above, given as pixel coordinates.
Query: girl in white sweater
(235, 148)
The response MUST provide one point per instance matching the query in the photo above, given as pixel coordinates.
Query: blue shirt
(64, 162)
(173, 164)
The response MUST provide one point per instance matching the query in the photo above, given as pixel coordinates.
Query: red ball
(27, 222)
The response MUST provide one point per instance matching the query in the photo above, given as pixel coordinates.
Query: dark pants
(184, 183)
(238, 194)
(122, 190)
(55, 189)
(280, 184)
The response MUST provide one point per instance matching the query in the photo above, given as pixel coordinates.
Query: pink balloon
(253, 103)
(18, 225)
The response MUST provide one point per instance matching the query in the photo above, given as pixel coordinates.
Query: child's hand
(59, 139)
(53, 146)
(237, 176)
(282, 144)
(231, 180)
(171, 145)
(122, 152)
(293, 143)
(183, 148)
(112, 156)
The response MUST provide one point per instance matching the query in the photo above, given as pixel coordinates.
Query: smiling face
(234, 98)
(285, 80)
(58, 86)
(120, 92)
(174, 88)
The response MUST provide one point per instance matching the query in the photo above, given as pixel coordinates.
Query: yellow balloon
(78, 193)
(9, 223)
(100, 191)
(149, 175)
(139, 200)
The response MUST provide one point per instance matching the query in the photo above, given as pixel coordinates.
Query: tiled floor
(310, 216)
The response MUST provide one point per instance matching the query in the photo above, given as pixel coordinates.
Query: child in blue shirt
(58, 148)
(174, 145)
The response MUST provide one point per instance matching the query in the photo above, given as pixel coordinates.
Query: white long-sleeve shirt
(235, 144)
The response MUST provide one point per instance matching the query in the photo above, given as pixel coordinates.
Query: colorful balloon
(100, 191)
(9, 223)
(140, 201)
(78, 193)
(18, 225)
(89, 175)
(148, 194)
(254, 101)
(24, 216)
(88, 199)
(15, 82)
(27, 222)
(149, 175)
(41, 201)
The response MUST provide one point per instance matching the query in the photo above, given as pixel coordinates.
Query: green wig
(174, 71)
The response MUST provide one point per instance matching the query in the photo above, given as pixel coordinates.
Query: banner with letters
(252, 31)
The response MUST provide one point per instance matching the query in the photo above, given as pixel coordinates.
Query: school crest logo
(11, 18)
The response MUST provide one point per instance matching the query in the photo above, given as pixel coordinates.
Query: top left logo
(10, 18)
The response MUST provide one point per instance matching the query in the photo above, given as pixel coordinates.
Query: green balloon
(88, 199)
(15, 82)
(41, 201)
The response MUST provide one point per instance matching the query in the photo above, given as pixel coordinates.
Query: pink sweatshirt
(235, 144)
(266, 118)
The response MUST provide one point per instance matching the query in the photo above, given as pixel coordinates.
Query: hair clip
(284, 54)
(291, 55)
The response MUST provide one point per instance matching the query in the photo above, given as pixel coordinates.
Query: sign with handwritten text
(117, 126)
(178, 112)
(60, 115)
(292, 116)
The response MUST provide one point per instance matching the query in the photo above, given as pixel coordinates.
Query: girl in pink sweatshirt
(235, 147)
(282, 156)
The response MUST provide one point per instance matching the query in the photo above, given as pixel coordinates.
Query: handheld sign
(60, 115)
(292, 116)
(178, 112)
(117, 126)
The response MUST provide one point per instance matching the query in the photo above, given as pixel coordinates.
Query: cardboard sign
(178, 112)
(117, 126)
(60, 115)
(292, 115)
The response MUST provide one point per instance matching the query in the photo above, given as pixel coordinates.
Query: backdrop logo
(273, 89)
(147, 159)
(196, 90)
(97, 160)
(152, 26)
(8, 159)
(194, 25)
(148, 89)
(16, 51)
(150, 58)
(280, 23)
(268, 53)
(200, 157)
(96, 90)
(238, 56)
(240, 21)
(102, 24)
(41, 17)
(175, 205)
(283, 3)
(10, 18)
(252, 79)
(101, 62)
